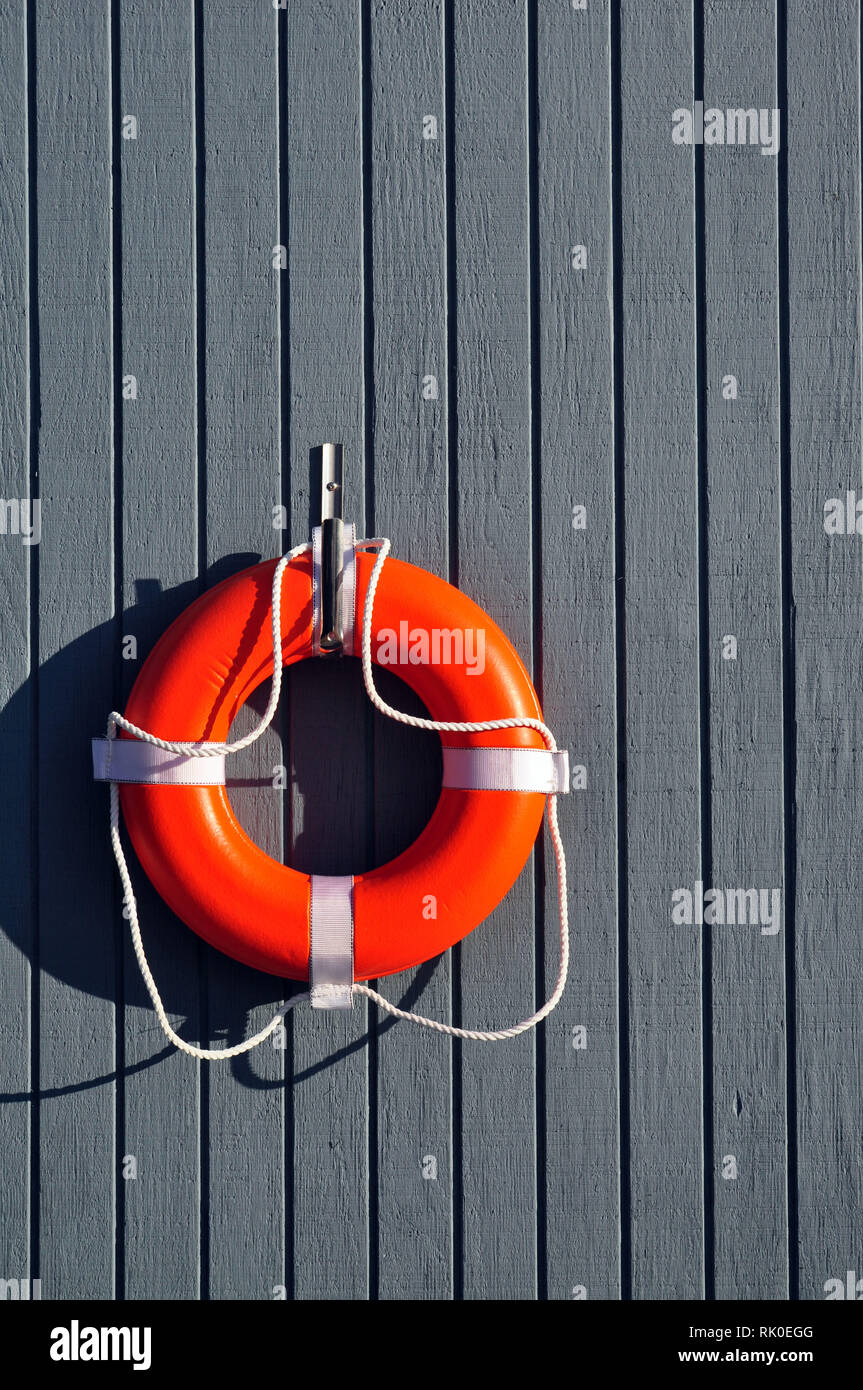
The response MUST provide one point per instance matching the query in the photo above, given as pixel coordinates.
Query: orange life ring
(224, 886)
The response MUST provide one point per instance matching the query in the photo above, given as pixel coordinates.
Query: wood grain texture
(662, 737)
(244, 1130)
(17, 692)
(429, 315)
(743, 581)
(155, 196)
(78, 653)
(495, 566)
(415, 1160)
(823, 231)
(576, 466)
(330, 723)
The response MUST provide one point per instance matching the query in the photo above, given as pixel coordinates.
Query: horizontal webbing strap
(506, 769)
(131, 760)
(331, 957)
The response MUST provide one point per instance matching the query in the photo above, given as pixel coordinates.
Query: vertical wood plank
(78, 915)
(414, 1113)
(156, 188)
(330, 747)
(580, 1120)
(16, 677)
(744, 587)
(660, 520)
(495, 530)
(824, 361)
(245, 1099)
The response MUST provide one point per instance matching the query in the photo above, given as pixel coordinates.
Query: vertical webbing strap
(331, 958)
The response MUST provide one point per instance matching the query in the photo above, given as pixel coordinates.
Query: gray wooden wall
(707, 1139)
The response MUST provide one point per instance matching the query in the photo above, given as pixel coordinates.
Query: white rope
(486, 725)
(212, 750)
(116, 720)
(192, 749)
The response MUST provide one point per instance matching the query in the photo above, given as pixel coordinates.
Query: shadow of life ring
(257, 910)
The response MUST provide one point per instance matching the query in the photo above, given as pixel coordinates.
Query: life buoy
(221, 884)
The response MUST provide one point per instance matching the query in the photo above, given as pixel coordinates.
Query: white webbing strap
(349, 589)
(331, 958)
(507, 769)
(130, 760)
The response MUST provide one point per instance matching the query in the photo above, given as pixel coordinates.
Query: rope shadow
(380, 1026)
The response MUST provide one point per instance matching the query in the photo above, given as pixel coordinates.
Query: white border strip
(506, 769)
(131, 760)
(331, 959)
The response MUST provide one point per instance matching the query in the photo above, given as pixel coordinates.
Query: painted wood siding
(603, 380)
